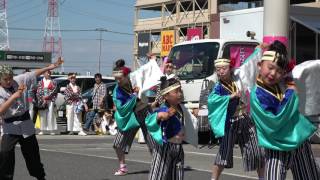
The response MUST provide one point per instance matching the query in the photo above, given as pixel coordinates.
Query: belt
(24, 117)
(176, 140)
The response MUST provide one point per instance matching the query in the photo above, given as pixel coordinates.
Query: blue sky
(80, 49)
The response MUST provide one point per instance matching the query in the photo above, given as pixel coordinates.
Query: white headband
(221, 62)
(170, 88)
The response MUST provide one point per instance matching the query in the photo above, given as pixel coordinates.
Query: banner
(143, 44)
(239, 53)
(167, 42)
(194, 33)
(146, 76)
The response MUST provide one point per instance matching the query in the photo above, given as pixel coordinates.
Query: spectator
(108, 125)
(98, 98)
(74, 106)
(98, 121)
(46, 95)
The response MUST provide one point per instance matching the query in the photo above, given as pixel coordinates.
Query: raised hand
(57, 63)
(171, 111)
(263, 45)
(235, 95)
(163, 116)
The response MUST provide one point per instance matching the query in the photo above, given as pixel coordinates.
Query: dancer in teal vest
(230, 122)
(281, 129)
(166, 126)
(130, 116)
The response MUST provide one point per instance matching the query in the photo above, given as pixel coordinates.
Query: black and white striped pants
(124, 139)
(301, 162)
(242, 130)
(167, 162)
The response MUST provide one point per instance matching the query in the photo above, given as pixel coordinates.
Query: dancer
(17, 125)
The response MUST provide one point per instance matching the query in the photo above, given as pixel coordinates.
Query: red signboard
(194, 33)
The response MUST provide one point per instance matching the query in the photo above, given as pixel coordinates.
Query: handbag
(203, 123)
(79, 107)
(204, 94)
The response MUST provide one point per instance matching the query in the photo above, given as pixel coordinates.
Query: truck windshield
(194, 61)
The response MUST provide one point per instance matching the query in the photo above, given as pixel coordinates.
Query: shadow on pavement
(140, 172)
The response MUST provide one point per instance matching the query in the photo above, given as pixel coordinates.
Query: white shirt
(46, 82)
(19, 107)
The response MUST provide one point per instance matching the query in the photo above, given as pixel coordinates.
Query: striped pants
(242, 130)
(167, 162)
(124, 139)
(301, 162)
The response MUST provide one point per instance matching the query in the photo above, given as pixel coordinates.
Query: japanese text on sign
(167, 42)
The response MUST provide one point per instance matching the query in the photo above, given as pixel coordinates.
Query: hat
(222, 62)
(5, 70)
(117, 73)
(168, 85)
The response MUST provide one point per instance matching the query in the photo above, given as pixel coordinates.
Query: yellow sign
(167, 42)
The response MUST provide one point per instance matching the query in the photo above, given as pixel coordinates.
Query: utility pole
(276, 20)
(101, 30)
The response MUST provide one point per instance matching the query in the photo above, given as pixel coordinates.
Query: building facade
(178, 16)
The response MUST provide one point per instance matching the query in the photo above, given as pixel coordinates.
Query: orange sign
(167, 42)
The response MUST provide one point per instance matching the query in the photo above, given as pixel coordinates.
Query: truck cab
(194, 62)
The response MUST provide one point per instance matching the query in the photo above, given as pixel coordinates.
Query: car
(86, 84)
(52, 77)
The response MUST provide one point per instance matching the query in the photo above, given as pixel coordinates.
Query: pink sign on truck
(239, 53)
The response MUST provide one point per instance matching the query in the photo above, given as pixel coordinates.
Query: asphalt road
(92, 158)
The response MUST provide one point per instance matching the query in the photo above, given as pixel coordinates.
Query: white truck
(194, 62)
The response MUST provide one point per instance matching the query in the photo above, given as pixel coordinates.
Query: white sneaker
(40, 133)
(81, 133)
(52, 133)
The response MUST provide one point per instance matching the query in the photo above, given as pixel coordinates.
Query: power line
(71, 39)
(97, 16)
(73, 30)
(25, 10)
(18, 5)
(115, 3)
(25, 17)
